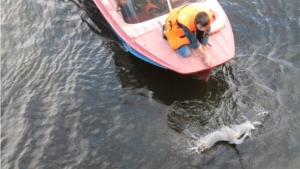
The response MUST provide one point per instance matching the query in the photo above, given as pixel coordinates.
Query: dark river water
(71, 97)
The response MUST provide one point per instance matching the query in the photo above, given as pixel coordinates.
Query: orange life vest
(183, 15)
(151, 5)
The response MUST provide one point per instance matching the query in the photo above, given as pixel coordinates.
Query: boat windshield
(136, 11)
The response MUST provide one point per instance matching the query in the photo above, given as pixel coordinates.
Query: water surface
(71, 97)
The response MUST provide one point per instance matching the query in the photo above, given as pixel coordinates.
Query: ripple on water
(68, 101)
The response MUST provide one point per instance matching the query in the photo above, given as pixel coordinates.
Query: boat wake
(234, 134)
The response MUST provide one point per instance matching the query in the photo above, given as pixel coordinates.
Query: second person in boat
(188, 27)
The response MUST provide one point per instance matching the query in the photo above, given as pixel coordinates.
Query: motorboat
(138, 25)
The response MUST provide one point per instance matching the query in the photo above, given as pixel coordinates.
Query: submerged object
(140, 32)
(234, 135)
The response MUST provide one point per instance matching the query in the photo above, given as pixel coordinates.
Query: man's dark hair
(202, 19)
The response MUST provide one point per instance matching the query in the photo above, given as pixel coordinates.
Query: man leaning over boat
(188, 27)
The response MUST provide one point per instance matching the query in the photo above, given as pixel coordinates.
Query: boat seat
(150, 11)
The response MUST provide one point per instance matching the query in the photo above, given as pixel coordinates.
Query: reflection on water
(134, 73)
(72, 98)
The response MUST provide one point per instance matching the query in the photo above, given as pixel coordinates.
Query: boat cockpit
(136, 11)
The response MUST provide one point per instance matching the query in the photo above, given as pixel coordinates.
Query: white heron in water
(234, 135)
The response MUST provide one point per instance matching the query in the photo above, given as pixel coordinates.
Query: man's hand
(207, 59)
(122, 2)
